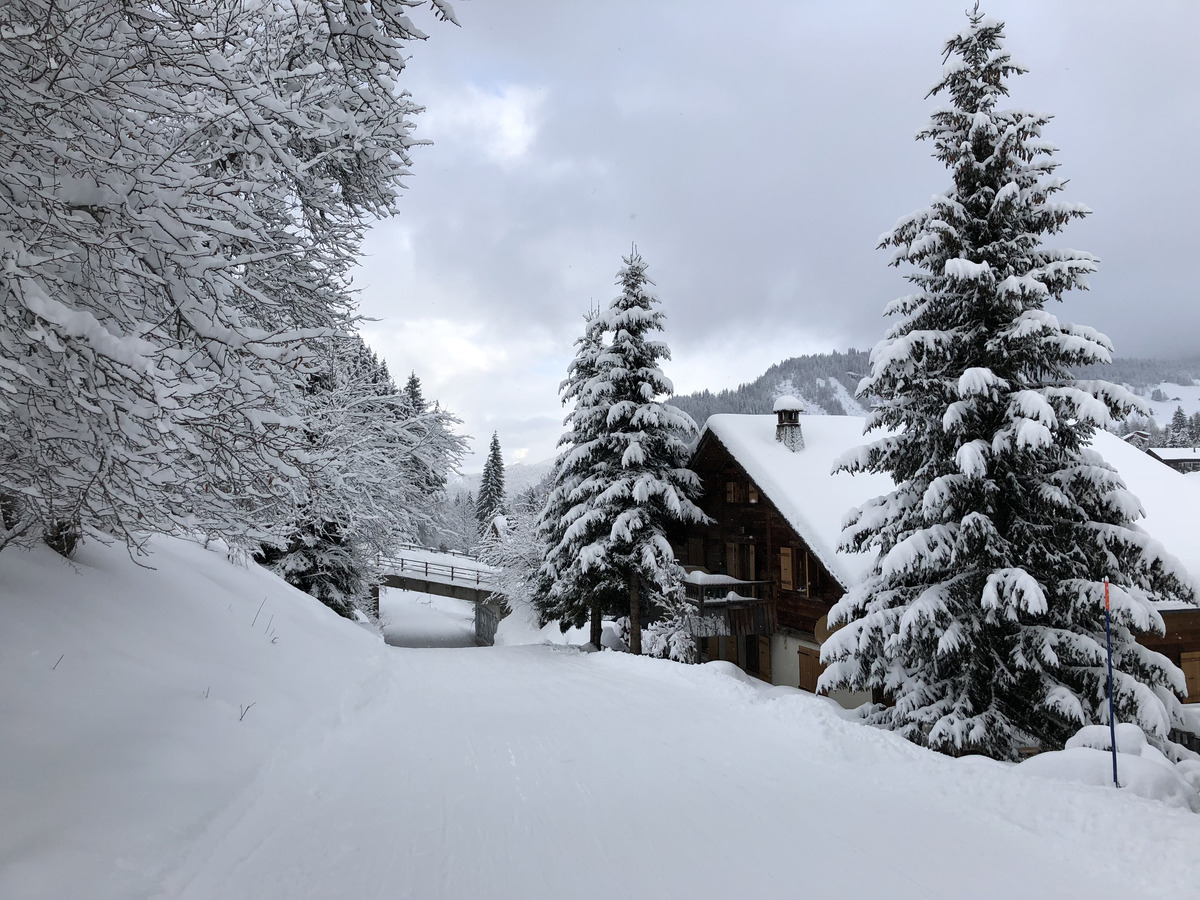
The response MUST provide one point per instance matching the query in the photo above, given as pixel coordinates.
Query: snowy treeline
(622, 477)
(183, 192)
(983, 622)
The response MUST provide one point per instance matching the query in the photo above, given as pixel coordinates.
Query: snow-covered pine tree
(491, 502)
(568, 593)
(186, 183)
(634, 481)
(428, 482)
(413, 393)
(983, 620)
(1180, 431)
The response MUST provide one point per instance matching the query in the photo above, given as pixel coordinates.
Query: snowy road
(551, 773)
(220, 736)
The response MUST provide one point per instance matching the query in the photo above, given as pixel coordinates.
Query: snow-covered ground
(200, 730)
(411, 619)
(1185, 395)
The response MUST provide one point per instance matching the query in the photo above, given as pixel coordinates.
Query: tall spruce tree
(568, 593)
(630, 455)
(1180, 431)
(983, 620)
(490, 502)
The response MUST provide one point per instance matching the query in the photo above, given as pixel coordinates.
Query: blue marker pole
(1112, 720)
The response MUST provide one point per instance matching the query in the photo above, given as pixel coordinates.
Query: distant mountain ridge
(827, 382)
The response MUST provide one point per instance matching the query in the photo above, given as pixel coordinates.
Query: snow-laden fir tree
(983, 620)
(568, 593)
(413, 394)
(1180, 430)
(184, 186)
(428, 483)
(628, 450)
(491, 501)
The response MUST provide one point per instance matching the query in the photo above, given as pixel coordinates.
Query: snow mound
(1141, 768)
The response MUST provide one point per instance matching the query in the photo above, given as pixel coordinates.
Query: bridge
(447, 574)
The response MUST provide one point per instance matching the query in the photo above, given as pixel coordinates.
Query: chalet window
(785, 569)
(736, 492)
(1190, 663)
(753, 492)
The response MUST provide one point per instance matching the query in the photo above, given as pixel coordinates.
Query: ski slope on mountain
(135, 766)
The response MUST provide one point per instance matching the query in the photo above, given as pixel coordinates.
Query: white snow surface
(814, 501)
(413, 619)
(135, 767)
(1185, 454)
(1185, 395)
(1141, 768)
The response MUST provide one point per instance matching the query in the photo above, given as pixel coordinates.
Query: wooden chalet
(765, 573)
(1181, 459)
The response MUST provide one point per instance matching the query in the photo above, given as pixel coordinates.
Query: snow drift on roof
(815, 502)
(800, 485)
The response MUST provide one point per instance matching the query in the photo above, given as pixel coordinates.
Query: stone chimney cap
(788, 402)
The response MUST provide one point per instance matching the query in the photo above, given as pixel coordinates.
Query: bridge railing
(422, 568)
(462, 553)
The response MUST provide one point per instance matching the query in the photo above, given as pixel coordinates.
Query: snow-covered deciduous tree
(491, 500)
(366, 447)
(983, 620)
(622, 479)
(516, 553)
(183, 189)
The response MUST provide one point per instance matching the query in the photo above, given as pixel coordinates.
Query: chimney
(787, 423)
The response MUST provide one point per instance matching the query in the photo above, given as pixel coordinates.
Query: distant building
(1181, 459)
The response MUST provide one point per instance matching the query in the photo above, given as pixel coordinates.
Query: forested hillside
(827, 382)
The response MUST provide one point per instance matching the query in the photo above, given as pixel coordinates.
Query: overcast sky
(754, 151)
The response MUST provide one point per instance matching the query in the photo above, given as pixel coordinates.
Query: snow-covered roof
(815, 502)
(1170, 499)
(800, 484)
(787, 402)
(1176, 454)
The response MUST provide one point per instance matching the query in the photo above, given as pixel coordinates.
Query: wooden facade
(750, 540)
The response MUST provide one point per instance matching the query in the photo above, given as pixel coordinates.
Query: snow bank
(139, 702)
(1141, 769)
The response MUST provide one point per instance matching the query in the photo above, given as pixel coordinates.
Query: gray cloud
(755, 153)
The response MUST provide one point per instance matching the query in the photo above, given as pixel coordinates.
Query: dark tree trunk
(596, 625)
(635, 616)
